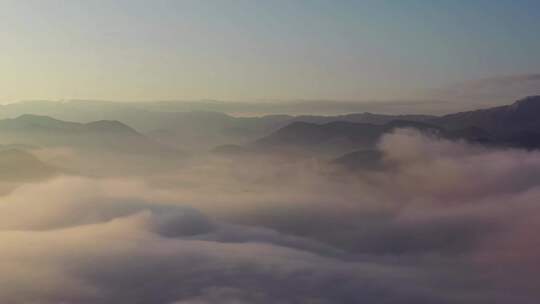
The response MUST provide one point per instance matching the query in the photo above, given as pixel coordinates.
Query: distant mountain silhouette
(354, 144)
(517, 124)
(522, 114)
(511, 125)
(366, 117)
(334, 138)
(45, 123)
(184, 124)
(111, 136)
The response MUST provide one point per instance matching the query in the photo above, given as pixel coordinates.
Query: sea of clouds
(437, 222)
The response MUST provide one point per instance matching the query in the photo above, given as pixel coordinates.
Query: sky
(259, 50)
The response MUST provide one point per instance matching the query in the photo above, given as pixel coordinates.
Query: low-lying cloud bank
(440, 222)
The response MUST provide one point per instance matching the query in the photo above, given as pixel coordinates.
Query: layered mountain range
(514, 124)
(128, 130)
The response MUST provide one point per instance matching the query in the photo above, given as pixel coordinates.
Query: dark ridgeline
(354, 145)
(103, 135)
(516, 125)
(127, 128)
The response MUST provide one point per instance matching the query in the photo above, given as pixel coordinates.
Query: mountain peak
(35, 118)
(526, 109)
(40, 121)
(111, 126)
(527, 103)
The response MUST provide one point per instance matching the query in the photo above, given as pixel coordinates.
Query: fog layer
(436, 222)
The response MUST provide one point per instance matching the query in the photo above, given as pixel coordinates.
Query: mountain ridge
(103, 134)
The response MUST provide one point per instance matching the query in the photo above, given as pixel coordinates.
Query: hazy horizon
(459, 100)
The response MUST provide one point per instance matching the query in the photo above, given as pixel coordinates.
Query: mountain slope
(517, 124)
(172, 124)
(334, 138)
(514, 125)
(18, 165)
(111, 136)
(522, 114)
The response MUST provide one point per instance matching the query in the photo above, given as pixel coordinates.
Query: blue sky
(248, 50)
